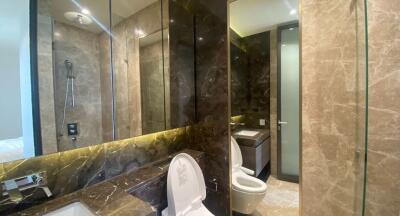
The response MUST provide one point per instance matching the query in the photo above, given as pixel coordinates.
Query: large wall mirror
(102, 74)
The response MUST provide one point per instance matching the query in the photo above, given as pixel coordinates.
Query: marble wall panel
(72, 170)
(330, 107)
(152, 88)
(383, 176)
(212, 132)
(81, 48)
(240, 76)
(126, 67)
(250, 74)
(181, 64)
(46, 78)
(257, 47)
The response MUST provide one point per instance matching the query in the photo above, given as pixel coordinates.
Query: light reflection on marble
(72, 170)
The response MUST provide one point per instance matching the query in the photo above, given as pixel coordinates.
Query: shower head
(68, 64)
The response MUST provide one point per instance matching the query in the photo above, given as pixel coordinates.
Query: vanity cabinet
(256, 151)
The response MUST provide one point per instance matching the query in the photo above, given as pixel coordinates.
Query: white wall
(15, 88)
(10, 93)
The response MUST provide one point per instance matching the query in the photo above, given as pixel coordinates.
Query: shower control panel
(72, 129)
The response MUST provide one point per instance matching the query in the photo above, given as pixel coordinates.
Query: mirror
(265, 106)
(154, 84)
(101, 76)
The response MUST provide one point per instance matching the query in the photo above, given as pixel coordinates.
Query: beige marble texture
(383, 178)
(46, 79)
(331, 111)
(127, 69)
(273, 37)
(282, 199)
(81, 48)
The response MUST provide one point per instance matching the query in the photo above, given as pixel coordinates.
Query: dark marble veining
(200, 30)
(136, 193)
(211, 134)
(80, 168)
(181, 63)
(240, 94)
(250, 78)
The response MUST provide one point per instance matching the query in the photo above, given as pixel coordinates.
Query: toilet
(247, 191)
(185, 188)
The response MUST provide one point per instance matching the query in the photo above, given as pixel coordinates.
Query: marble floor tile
(282, 199)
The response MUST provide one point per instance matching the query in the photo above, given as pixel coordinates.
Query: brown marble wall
(383, 176)
(81, 48)
(250, 87)
(211, 134)
(331, 97)
(257, 47)
(273, 104)
(181, 64)
(203, 24)
(72, 170)
(239, 81)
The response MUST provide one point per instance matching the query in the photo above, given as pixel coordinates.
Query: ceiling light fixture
(293, 12)
(85, 11)
(140, 33)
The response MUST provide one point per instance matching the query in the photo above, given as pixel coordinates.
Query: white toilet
(185, 188)
(247, 191)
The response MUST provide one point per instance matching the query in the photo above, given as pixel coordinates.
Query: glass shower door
(289, 104)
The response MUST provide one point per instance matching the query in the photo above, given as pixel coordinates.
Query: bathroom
(288, 107)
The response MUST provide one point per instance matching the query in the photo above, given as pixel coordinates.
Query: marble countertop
(135, 193)
(251, 141)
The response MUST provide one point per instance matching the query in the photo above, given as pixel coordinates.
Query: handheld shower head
(68, 64)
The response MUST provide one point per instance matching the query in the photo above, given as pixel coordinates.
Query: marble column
(331, 98)
(383, 169)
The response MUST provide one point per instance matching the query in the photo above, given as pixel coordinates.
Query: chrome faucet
(13, 187)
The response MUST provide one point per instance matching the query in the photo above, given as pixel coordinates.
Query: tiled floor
(282, 199)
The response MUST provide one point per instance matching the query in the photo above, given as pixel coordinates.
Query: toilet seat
(245, 183)
(186, 188)
(247, 191)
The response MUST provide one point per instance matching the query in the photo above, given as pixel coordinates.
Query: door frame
(281, 176)
(33, 37)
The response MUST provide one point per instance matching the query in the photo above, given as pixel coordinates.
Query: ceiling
(248, 17)
(99, 11)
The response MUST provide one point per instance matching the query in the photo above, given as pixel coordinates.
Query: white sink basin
(72, 209)
(247, 133)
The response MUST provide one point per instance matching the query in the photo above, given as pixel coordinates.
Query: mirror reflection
(265, 107)
(102, 75)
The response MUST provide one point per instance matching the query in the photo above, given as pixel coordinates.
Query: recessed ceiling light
(57, 34)
(140, 33)
(201, 38)
(291, 29)
(283, 45)
(293, 12)
(85, 11)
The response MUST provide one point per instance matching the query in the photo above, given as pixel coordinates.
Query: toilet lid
(185, 185)
(236, 154)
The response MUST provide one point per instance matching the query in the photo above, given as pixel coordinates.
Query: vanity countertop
(135, 193)
(251, 141)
